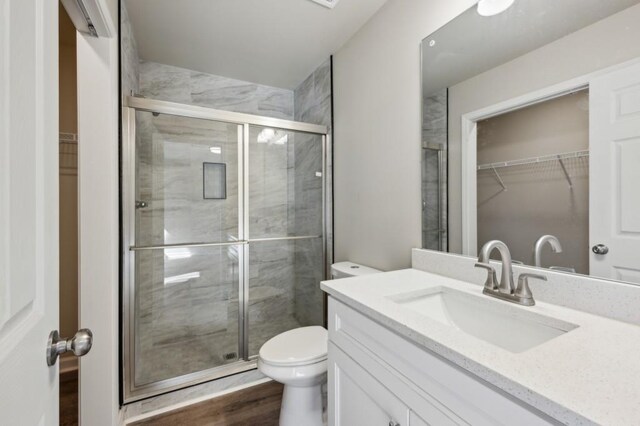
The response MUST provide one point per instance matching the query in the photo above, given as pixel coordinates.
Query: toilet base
(301, 406)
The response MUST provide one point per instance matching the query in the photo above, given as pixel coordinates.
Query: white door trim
(98, 221)
(469, 143)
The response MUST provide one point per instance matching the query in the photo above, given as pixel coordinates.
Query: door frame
(469, 143)
(98, 221)
(131, 104)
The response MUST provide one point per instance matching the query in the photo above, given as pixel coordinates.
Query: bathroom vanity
(414, 348)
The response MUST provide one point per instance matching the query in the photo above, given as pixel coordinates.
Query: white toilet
(298, 359)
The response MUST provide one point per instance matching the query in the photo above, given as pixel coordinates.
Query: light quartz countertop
(589, 375)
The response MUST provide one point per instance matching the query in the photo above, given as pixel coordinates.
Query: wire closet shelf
(561, 158)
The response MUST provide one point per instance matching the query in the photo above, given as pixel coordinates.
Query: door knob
(80, 345)
(600, 249)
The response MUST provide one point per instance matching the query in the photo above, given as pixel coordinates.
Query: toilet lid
(299, 346)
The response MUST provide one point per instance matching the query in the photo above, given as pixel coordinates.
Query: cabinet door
(358, 399)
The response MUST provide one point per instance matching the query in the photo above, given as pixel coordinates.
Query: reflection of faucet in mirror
(552, 240)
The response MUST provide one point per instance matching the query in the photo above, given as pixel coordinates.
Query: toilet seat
(297, 347)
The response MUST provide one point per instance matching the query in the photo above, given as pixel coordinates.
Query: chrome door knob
(80, 345)
(600, 249)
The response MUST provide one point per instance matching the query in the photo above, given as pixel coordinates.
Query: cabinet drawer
(444, 388)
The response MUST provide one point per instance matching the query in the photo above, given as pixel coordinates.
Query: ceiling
(472, 44)
(273, 42)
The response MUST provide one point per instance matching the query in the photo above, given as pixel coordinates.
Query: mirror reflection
(531, 134)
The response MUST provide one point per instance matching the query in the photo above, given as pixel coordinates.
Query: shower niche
(224, 240)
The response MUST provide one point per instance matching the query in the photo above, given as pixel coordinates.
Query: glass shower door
(434, 197)
(188, 250)
(223, 240)
(285, 232)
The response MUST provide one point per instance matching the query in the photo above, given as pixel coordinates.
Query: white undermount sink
(493, 321)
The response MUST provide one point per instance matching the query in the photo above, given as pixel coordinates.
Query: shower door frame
(441, 151)
(131, 104)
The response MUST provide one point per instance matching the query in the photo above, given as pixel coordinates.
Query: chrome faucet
(506, 278)
(552, 240)
(505, 290)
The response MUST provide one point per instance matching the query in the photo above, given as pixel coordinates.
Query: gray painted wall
(377, 103)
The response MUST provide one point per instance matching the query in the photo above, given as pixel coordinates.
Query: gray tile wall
(169, 83)
(312, 100)
(130, 59)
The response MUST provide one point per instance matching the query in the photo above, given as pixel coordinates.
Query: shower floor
(196, 353)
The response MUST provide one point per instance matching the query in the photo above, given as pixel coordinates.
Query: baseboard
(194, 401)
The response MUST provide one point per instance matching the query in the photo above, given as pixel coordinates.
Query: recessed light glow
(272, 137)
(281, 140)
(177, 253)
(493, 7)
(178, 279)
(215, 150)
(266, 135)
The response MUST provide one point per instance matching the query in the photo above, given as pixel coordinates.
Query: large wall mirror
(531, 134)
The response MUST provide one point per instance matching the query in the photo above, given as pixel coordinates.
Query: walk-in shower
(224, 239)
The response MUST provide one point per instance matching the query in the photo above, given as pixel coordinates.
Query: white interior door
(28, 210)
(615, 174)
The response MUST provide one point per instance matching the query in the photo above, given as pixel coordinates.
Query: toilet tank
(350, 269)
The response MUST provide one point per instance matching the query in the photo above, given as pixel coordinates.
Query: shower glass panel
(286, 256)
(284, 290)
(186, 316)
(434, 197)
(173, 155)
(285, 183)
(186, 311)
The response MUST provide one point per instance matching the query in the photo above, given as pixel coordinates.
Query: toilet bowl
(298, 359)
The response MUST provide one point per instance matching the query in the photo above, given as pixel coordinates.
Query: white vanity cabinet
(377, 377)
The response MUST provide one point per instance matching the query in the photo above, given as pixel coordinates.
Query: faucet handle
(523, 291)
(492, 282)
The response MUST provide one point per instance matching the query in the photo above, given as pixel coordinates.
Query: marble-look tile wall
(312, 100)
(129, 54)
(434, 183)
(169, 83)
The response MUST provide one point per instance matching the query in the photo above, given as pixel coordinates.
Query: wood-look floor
(254, 406)
(69, 399)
